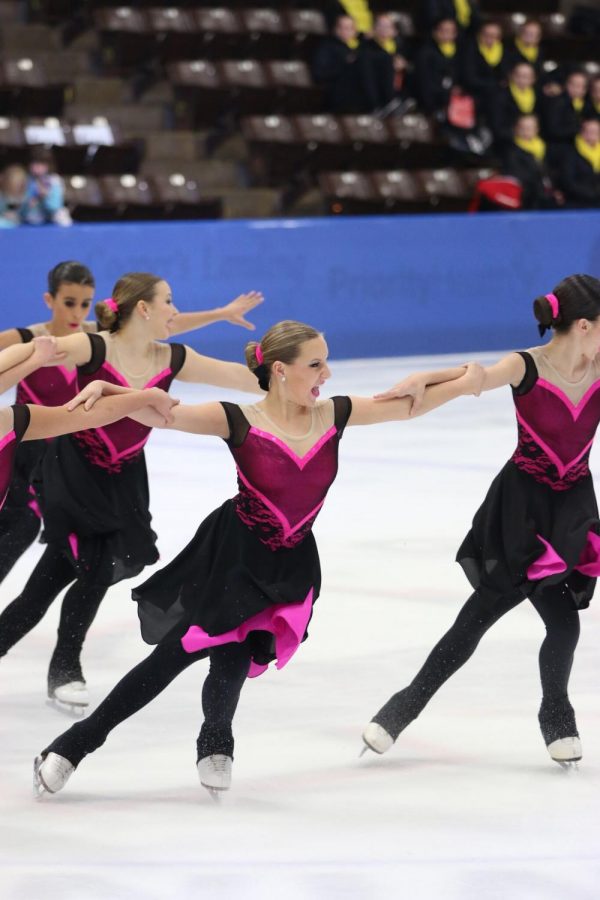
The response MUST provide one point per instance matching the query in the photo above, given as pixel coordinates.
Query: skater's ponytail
(573, 298)
(281, 343)
(113, 313)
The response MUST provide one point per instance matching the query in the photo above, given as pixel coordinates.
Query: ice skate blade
(39, 788)
(216, 794)
(74, 710)
(569, 765)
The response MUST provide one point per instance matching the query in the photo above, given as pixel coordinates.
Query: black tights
(19, 527)
(228, 670)
(556, 716)
(79, 607)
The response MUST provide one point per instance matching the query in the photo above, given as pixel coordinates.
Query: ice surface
(466, 806)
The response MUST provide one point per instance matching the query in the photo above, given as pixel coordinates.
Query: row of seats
(443, 190)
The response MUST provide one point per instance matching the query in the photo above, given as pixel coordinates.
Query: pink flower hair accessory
(554, 304)
(112, 305)
(259, 355)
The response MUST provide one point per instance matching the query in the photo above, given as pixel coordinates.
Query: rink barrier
(381, 286)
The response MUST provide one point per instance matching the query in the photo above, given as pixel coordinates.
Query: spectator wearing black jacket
(437, 67)
(526, 47)
(518, 98)
(524, 158)
(484, 64)
(388, 59)
(581, 167)
(591, 109)
(343, 66)
(563, 113)
(464, 12)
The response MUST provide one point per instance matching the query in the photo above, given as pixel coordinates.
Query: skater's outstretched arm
(20, 360)
(235, 313)
(48, 422)
(206, 370)
(369, 411)
(510, 370)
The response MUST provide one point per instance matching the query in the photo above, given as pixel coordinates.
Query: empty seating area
(204, 111)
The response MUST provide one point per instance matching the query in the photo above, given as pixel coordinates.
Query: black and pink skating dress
(539, 523)
(95, 494)
(9, 445)
(252, 572)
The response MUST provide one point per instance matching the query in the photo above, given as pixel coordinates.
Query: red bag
(461, 110)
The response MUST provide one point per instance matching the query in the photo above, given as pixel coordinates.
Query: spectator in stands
(484, 65)
(344, 67)
(13, 182)
(43, 203)
(464, 12)
(526, 47)
(592, 104)
(518, 98)
(525, 160)
(581, 167)
(358, 10)
(563, 115)
(437, 67)
(388, 60)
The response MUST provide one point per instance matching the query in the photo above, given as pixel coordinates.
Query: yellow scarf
(463, 12)
(535, 146)
(523, 97)
(448, 48)
(360, 12)
(493, 54)
(597, 107)
(577, 103)
(389, 46)
(352, 43)
(592, 154)
(530, 53)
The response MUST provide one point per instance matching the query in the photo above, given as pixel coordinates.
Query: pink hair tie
(112, 304)
(259, 355)
(554, 305)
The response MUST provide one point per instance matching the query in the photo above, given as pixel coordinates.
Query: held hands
(412, 386)
(472, 380)
(45, 351)
(236, 311)
(92, 392)
(162, 404)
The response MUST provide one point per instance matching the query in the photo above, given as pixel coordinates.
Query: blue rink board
(382, 286)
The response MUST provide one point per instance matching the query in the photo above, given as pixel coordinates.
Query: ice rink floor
(466, 806)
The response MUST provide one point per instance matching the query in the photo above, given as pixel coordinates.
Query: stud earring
(147, 318)
(283, 377)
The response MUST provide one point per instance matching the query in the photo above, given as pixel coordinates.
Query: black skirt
(504, 541)
(223, 578)
(101, 518)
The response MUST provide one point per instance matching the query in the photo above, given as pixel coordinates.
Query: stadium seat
(296, 92)
(349, 193)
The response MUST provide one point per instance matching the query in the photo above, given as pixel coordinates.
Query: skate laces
(219, 763)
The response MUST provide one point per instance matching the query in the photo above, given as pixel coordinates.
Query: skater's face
(69, 306)
(306, 375)
(159, 314)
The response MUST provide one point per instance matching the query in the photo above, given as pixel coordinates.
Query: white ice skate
(50, 774)
(376, 738)
(566, 752)
(215, 774)
(72, 698)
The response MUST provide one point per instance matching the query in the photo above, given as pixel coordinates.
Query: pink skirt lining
(287, 622)
(550, 563)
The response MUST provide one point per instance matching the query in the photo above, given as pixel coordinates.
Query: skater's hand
(162, 404)
(472, 380)
(236, 311)
(412, 386)
(92, 392)
(45, 351)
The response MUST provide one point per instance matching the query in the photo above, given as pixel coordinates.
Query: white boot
(215, 773)
(72, 697)
(376, 738)
(50, 774)
(566, 750)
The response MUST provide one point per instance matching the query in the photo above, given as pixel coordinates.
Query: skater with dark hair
(242, 591)
(95, 496)
(537, 534)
